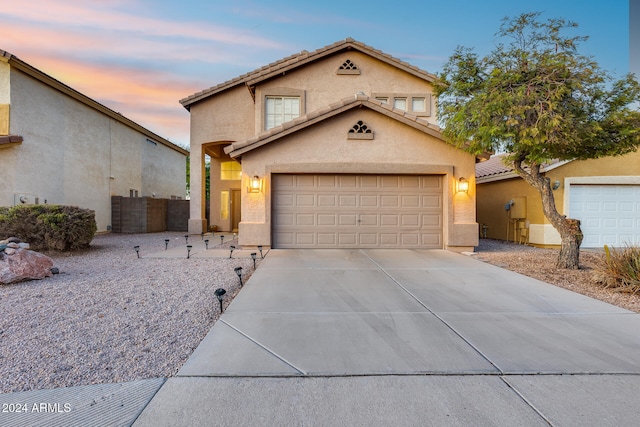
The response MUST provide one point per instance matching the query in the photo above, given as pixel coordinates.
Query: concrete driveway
(406, 337)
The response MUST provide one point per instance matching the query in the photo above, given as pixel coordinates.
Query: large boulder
(18, 264)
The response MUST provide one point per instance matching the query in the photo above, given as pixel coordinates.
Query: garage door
(357, 211)
(609, 214)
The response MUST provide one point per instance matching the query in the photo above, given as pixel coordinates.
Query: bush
(621, 269)
(49, 227)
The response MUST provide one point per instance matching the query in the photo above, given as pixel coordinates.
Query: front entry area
(357, 211)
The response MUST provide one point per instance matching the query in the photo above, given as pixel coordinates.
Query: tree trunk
(569, 229)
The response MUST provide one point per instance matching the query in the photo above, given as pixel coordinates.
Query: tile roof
(494, 169)
(299, 59)
(238, 148)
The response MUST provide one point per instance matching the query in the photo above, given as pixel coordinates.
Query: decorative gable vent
(348, 67)
(360, 131)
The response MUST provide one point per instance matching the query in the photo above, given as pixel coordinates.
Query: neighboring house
(604, 194)
(58, 146)
(336, 148)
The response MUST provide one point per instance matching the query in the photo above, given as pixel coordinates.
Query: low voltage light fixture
(219, 294)
(206, 243)
(189, 250)
(260, 249)
(222, 239)
(232, 248)
(238, 271)
(255, 185)
(166, 244)
(253, 257)
(463, 185)
(137, 249)
(186, 238)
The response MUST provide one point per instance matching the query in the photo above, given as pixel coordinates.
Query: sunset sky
(140, 57)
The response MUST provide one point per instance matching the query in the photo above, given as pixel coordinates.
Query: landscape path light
(253, 257)
(222, 239)
(166, 244)
(238, 271)
(260, 249)
(206, 243)
(219, 294)
(137, 248)
(189, 250)
(186, 238)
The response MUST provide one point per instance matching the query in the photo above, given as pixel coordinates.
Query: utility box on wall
(519, 208)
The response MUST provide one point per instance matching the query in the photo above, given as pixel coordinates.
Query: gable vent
(360, 131)
(348, 67)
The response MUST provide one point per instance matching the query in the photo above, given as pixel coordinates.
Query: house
(604, 194)
(58, 146)
(335, 148)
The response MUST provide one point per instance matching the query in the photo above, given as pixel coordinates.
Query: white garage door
(357, 211)
(609, 214)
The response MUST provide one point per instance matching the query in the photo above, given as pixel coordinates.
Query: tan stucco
(74, 154)
(233, 113)
(493, 195)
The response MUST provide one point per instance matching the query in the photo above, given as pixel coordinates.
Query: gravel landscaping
(111, 317)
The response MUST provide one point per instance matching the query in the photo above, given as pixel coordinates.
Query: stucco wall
(324, 148)
(75, 155)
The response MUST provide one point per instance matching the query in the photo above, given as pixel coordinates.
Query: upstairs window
(280, 109)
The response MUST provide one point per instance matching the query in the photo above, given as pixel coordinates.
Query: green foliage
(49, 227)
(621, 269)
(536, 97)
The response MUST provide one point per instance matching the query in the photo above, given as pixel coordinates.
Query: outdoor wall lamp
(255, 185)
(555, 185)
(219, 294)
(463, 185)
(137, 249)
(238, 271)
(189, 250)
(253, 257)
(166, 244)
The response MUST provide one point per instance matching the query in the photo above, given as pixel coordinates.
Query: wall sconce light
(555, 185)
(255, 185)
(463, 185)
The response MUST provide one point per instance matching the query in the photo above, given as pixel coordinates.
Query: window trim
(391, 97)
(282, 92)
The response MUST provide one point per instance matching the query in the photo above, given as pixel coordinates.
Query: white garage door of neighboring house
(357, 211)
(609, 214)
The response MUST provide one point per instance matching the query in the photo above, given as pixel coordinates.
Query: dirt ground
(540, 264)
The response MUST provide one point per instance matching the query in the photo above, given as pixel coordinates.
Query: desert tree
(538, 99)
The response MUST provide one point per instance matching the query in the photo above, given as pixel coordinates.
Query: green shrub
(49, 227)
(621, 269)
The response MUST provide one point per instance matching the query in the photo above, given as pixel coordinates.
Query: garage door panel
(609, 214)
(353, 211)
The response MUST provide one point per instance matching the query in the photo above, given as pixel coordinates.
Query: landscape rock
(17, 265)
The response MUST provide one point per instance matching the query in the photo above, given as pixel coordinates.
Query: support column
(197, 216)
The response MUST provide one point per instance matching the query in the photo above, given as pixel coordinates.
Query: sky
(140, 57)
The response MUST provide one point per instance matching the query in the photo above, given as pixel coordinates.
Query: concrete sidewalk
(379, 337)
(405, 337)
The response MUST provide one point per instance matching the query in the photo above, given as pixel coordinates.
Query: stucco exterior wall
(74, 155)
(395, 149)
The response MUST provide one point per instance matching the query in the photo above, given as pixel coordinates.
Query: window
(224, 205)
(417, 104)
(400, 103)
(133, 193)
(280, 109)
(230, 171)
